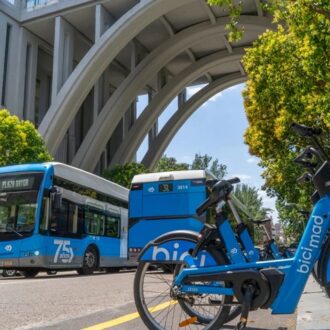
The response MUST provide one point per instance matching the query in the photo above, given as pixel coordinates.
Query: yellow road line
(129, 317)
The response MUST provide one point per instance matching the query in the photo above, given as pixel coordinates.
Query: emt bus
(162, 202)
(57, 217)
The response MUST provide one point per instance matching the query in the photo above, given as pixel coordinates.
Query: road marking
(129, 317)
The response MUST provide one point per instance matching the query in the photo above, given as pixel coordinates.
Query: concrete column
(63, 54)
(62, 68)
(22, 69)
(129, 118)
(182, 98)
(130, 114)
(161, 82)
(154, 129)
(31, 59)
(103, 20)
(3, 33)
(11, 50)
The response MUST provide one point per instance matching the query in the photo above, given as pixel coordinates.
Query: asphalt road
(68, 301)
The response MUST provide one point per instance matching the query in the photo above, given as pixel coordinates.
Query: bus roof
(81, 177)
(74, 175)
(172, 175)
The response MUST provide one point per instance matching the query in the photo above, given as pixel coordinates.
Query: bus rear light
(137, 186)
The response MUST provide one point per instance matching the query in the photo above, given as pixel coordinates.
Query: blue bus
(57, 217)
(162, 202)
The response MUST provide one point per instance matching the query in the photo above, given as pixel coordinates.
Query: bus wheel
(9, 272)
(51, 272)
(112, 270)
(90, 262)
(30, 273)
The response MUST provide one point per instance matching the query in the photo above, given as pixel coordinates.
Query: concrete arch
(173, 125)
(112, 111)
(72, 94)
(143, 124)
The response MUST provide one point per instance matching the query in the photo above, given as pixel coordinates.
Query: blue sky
(216, 129)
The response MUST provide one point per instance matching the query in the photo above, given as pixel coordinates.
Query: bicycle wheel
(160, 312)
(194, 306)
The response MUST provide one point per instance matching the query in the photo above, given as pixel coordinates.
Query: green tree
(253, 207)
(203, 162)
(123, 174)
(289, 81)
(170, 164)
(20, 142)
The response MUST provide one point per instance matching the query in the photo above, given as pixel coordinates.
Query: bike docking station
(213, 278)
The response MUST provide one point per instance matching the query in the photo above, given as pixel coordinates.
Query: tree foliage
(289, 81)
(234, 11)
(200, 162)
(170, 164)
(254, 208)
(204, 162)
(20, 142)
(123, 174)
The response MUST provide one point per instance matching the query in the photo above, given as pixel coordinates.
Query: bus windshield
(18, 204)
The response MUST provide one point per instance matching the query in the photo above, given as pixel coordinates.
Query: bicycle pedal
(187, 322)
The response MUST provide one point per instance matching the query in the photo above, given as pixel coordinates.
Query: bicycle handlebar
(220, 190)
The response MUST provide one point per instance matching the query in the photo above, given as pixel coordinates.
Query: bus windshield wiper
(14, 231)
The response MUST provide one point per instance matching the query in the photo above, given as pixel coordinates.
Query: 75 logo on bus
(64, 252)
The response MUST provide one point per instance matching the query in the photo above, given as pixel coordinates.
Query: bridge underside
(76, 69)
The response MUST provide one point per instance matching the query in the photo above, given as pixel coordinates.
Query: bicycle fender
(173, 247)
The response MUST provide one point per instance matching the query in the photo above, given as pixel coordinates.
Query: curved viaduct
(129, 48)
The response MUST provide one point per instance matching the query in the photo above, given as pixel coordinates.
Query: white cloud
(252, 160)
(195, 89)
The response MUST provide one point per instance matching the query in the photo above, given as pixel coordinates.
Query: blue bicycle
(275, 284)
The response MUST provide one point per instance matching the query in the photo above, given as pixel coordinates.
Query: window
(66, 221)
(94, 221)
(112, 225)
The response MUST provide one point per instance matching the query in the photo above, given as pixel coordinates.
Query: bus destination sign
(24, 183)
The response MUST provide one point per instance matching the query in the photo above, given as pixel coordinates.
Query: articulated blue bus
(57, 217)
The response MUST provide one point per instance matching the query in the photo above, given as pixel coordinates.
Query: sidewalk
(313, 311)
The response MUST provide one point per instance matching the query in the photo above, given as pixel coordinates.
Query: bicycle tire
(234, 311)
(218, 319)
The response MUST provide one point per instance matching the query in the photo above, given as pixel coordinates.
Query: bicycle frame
(296, 269)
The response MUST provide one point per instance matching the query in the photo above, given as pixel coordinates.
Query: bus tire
(51, 272)
(90, 262)
(9, 272)
(30, 273)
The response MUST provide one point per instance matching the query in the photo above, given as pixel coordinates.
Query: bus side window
(94, 221)
(67, 220)
(112, 225)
